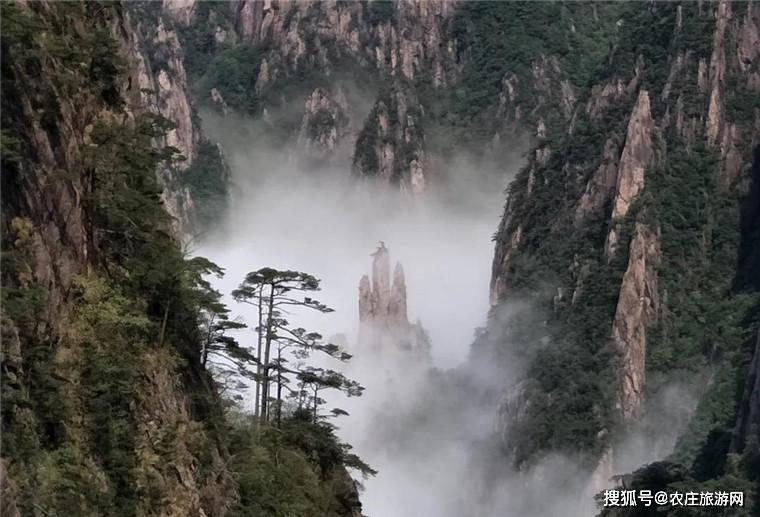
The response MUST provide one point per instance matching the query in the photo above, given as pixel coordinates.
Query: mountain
(623, 329)
(635, 222)
(108, 408)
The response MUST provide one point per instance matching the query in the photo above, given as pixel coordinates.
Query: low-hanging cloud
(430, 432)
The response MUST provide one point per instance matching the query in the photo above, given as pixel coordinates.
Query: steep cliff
(626, 227)
(107, 407)
(195, 188)
(312, 54)
(463, 72)
(78, 203)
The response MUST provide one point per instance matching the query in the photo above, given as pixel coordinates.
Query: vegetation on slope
(106, 407)
(709, 319)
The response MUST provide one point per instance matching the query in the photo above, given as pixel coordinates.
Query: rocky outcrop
(383, 323)
(717, 73)
(551, 96)
(601, 187)
(403, 42)
(505, 249)
(159, 81)
(400, 38)
(634, 160)
(597, 213)
(180, 11)
(326, 122)
(602, 96)
(735, 52)
(637, 308)
(512, 411)
(168, 441)
(382, 304)
(391, 145)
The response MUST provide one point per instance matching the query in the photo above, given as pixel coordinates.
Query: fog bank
(290, 215)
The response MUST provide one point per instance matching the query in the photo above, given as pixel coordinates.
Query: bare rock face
(365, 299)
(161, 86)
(634, 160)
(403, 38)
(736, 51)
(46, 209)
(383, 320)
(181, 11)
(508, 238)
(325, 123)
(397, 301)
(638, 306)
(512, 410)
(391, 146)
(636, 155)
(717, 73)
(603, 95)
(700, 99)
(551, 92)
(601, 186)
(383, 304)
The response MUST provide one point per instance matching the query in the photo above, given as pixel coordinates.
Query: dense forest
(623, 328)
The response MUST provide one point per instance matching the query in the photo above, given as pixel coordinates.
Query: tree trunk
(316, 397)
(267, 349)
(279, 386)
(207, 341)
(257, 404)
(163, 323)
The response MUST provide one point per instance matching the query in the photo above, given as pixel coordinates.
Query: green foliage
(705, 323)
(113, 332)
(508, 37)
(298, 469)
(124, 192)
(700, 236)
(206, 179)
(70, 386)
(378, 12)
(68, 486)
(406, 149)
(233, 72)
(674, 477)
(88, 59)
(198, 39)
(275, 293)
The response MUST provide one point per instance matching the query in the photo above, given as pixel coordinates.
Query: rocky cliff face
(404, 39)
(597, 211)
(325, 123)
(159, 81)
(637, 308)
(633, 162)
(348, 46)
(391, 145)
(89, 76)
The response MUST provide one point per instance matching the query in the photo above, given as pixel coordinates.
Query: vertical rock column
(382, 304)
(383, 321)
